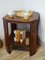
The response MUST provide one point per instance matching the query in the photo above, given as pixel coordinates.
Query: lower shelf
(22, 48)
(17, 46)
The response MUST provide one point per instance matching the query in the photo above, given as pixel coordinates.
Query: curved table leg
(33, 39)
(6, 36)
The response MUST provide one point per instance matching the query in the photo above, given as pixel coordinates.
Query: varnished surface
(35, 16)
(33, 36)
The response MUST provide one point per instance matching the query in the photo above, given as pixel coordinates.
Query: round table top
(35, 16)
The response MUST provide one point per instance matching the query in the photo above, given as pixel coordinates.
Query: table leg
(6, 36)
(13, 27)
(33, 42)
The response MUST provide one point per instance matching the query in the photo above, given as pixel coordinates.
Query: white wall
(35, 5)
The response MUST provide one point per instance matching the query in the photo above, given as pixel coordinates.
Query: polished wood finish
(7, 44)
(33, 34)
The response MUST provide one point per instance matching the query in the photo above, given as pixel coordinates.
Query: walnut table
(33, 34)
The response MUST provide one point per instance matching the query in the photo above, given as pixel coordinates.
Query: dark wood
(33, 34)
(33, 37)
(7, 44)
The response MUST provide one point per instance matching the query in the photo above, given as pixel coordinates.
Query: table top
(35, 16)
